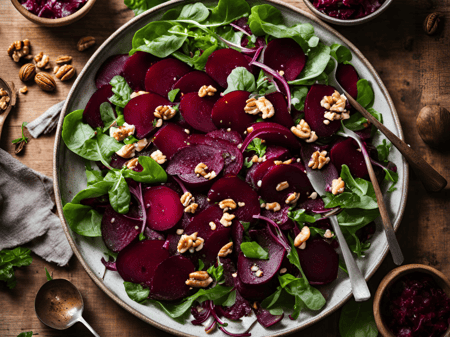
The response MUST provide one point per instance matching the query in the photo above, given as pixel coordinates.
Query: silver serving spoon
(60, 305)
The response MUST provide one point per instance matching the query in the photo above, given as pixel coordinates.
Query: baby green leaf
(47, 274)
(140, 6)
(136, 292)
(341, 53)
(383, 150)
(240, 79)
(173, 94)
(253, 250)
(121, 90)
(366, 96)
(357, 319)
(258, 146)
(298, 94)
(83, 219)
(10, 259)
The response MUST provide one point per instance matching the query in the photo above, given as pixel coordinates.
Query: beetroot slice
(193, 81)
(91, 114)
(211, 247)
(293, 175)
(139, 112)
(231, 136)
(161, 76)
(221, 63)
(237, 234)
(285, 55)
(255, 292)
(164, 208)
(319, 261)
(137, 262)
(346, 153)
(258, 171)
(113, 66)
(269, 267)
(229, 112)
(118, 233)
(265, 318)
(282, 115)
(183, 164)
(136, 67)
(200, 222)
(170, 138)
(348, 78)
(280, 217)
(314, 112)
(232, 187)
(197, 110)
(274, 136)
(169, 281)
(233, 158)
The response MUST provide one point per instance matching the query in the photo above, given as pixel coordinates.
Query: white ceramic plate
(69, 178)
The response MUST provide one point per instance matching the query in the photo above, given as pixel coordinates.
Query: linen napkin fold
(46, 122)
(26, 217)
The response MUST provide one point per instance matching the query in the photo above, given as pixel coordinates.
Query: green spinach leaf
(253, 250)
(383, 150)
(357, 320)
(240, 79)
(298, 94)
(315, 66)
(366, 96)
(300, 216)
(10, 259)
(107, 115)
(121, 90)
(119, 193)
(83, 219)
(136, 292)
(341, 53)
(196, 11)
(152, 172)
(173, 94)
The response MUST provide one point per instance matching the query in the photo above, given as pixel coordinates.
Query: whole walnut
(433, 124)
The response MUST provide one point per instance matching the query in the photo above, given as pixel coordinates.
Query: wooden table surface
(414, 67)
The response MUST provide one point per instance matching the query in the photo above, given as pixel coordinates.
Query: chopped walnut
(335, 105)
(273, 206)
(131, 164)
(158, 157)
(123, 132)
(3, 92)
(200, 170)
(207, 91)
(259, 273)
(282, 186)
(212, 225)
(313, 196)
(180, 231)
(158, 123)
(138, 93)
(254, 268)
(186, 199)
(227, 204)
(199, 279)
(292, 198)
(283, 270)
(250, 129)
(191, 208)
(190, 242)
(318, 160)
(302, 236)
(141, 144)
(225, 250)
(24, 89)
(303, 131)
(165, 112)
(241, 204)
(4, 102)
(328, 234)
(43, 62)
(226, 219)
(337, 186)
(261, 105)
(19, 49)
(127, 151)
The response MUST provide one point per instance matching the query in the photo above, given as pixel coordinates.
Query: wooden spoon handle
(430, 178)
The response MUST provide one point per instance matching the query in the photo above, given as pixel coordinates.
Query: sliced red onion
(178, 180)
(220, 322)
(255, 57)
(239, 28)
(137, 192)
(280, 238)
(110, 265)
(234, 45)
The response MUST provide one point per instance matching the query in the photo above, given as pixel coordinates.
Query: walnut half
(199, 279)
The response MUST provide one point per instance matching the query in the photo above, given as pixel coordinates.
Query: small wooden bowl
(9, 87)
(54, 22)
(393, 276)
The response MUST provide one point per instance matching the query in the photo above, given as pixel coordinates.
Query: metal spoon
(59, 305)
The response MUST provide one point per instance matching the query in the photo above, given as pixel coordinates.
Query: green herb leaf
(261, 15)
(228, 11)
(196, 12)
(216, 273)
(298, 94)
(25, 334)
(10, 259)
(253, 250)
(366, 96)
(136, 292)
(23, 138)
(230, 300)
(240, 79)
(258, 146)
(248, 163)
(341, 53)
(107, 115)
(357, 320)
(140, 6)
(152, 172)
(201, 265)
(119, 193)
(391, 176)
(141, 237)
(92, 176)
(83, 219)
(383, 151)
(121, 90)
(300, 216)
(47, 274)
(318, 59)
(173, 94)
(263, 86)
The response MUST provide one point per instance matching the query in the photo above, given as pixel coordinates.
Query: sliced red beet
(233, 158)
(232, 136)
(293, 175)
(153, 235)
(285, 55)
(265, 318)
(346, 153)
(118, 230)
(91, 114)
(348, 78)
(113, 66)
(221, 63)
(258, 171)
(183, 164)
(136, 67)
(200, 222)
(319, 261)
(269, 267)
(170, 138)
(282, 115)
(161, 76)
(256, 292)
(280, 136)
(169, 281)
(164, 208)
(280, 217)
(232, 187)
(229, 112)
(137, 262)
(193, 81)
(237, 234)
(313, 205)
(139, 112)
(314, 112)
(211, 247)
(197, 111)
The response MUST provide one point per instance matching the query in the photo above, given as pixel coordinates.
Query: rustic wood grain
(414, 67)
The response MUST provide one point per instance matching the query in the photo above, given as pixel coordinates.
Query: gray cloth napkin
(46, 122)
(26, 216)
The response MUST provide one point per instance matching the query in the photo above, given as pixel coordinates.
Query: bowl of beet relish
(347, 12)
(53, 13)
(413, 301)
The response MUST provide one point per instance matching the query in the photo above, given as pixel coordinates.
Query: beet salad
(197, 146)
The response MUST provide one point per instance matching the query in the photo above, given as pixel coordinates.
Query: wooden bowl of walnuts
(53, 22)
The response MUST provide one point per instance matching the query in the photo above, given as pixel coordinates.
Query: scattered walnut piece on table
(65, 72)
(27, 72)
(45, 81)
(85, 43)
(19, 49)
(24, 89)
(63, 60)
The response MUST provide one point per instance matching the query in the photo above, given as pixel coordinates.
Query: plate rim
(58, 137)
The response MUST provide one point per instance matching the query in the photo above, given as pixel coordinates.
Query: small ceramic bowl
(46, 22)
(393, 276)
(352, 22)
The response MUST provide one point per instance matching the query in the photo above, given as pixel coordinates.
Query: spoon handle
(359, 286)
(86, 324)
(430, 178)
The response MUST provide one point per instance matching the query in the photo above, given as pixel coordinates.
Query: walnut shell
(45, 81)
(27, 72)
(433, 124)
(63, 60)
(431, 23)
